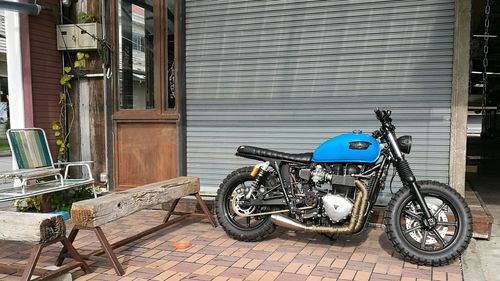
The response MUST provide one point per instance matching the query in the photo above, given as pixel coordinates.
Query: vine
(62, 136)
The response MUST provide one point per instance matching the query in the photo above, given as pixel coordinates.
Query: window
(138, 42)
(170, 91)
(135, 59)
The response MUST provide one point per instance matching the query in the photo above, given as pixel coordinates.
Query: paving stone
(273, 265)
(306, 269)
(285, 255)
(420, 273)
(186, 267)
(347, 274)
(290, 276)
(236, 273)
(362, 276)
(339, 263)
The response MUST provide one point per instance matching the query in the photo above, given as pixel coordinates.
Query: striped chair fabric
(30, 148)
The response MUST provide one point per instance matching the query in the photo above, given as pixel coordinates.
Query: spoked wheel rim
(237, 212)
(430, 239)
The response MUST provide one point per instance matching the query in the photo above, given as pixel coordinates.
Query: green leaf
(83, 63)
(64, 79)
(57, 133)
(82, 15)
(55, 126)
(87, 56)
(62, 97)
(80, 55)
(59, 142)
(67, 69)
(77, 64)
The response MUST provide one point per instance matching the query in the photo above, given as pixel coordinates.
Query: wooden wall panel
(96, 105)
(145, 153)
(46, 67)
(97, 125)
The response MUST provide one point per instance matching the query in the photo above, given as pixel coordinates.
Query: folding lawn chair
(37, 173)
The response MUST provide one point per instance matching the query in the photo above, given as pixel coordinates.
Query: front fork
(409, 179)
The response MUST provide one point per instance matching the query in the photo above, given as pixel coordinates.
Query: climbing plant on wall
(65, 101)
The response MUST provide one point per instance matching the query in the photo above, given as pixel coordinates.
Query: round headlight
(404, 143)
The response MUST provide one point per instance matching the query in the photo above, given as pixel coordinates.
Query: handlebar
(379, 114)
(384, 116)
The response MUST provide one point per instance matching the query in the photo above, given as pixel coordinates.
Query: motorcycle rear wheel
(249, 229)
(423, 245)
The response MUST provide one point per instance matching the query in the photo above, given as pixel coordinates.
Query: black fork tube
(406, 174)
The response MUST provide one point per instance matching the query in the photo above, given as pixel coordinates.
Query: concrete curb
(471, 263)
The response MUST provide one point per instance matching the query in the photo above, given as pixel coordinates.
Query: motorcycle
(333, 190)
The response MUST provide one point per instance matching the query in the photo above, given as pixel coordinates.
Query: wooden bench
(93, 213)
(42, 230)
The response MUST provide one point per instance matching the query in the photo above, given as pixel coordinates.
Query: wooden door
(145, 116)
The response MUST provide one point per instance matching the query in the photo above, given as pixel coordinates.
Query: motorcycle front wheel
(234, 215)
(432, 246)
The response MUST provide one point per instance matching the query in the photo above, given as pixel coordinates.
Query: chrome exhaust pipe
(357, 217)
(289, 223)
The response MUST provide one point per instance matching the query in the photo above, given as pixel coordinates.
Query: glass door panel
(135, 59)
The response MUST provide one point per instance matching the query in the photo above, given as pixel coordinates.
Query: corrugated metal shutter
(287, 75)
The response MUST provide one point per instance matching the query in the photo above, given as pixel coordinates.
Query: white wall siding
(3, 46)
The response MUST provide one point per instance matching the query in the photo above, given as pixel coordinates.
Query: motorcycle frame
(281, 167)
(390, 154)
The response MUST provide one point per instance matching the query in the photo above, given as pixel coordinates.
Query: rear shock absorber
(258, 172)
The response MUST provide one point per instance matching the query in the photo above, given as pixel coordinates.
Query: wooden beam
(98, 211)
(31, 227)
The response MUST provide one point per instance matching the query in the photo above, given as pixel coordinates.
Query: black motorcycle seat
(268, 153)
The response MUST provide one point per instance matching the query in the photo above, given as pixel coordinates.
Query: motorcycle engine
(335, 186)
(336, 207)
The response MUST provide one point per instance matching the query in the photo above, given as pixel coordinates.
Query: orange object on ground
(183, 244)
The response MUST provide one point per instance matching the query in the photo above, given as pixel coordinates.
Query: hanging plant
(62, 136)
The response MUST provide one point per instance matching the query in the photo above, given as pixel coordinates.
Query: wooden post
(43, 230)
(31, 227)
(460, 95)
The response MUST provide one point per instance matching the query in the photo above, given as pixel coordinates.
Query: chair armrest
(84, 164)
(30, 173)
(62, 164)
(25, 175)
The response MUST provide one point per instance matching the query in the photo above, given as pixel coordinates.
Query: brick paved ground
(214, 256)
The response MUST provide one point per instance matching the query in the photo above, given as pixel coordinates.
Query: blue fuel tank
(354, 147)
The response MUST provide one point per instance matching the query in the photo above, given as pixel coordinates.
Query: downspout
(25, 8)
(108, 102)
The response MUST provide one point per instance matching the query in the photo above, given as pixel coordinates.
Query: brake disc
(237, 199)
(418, 234)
